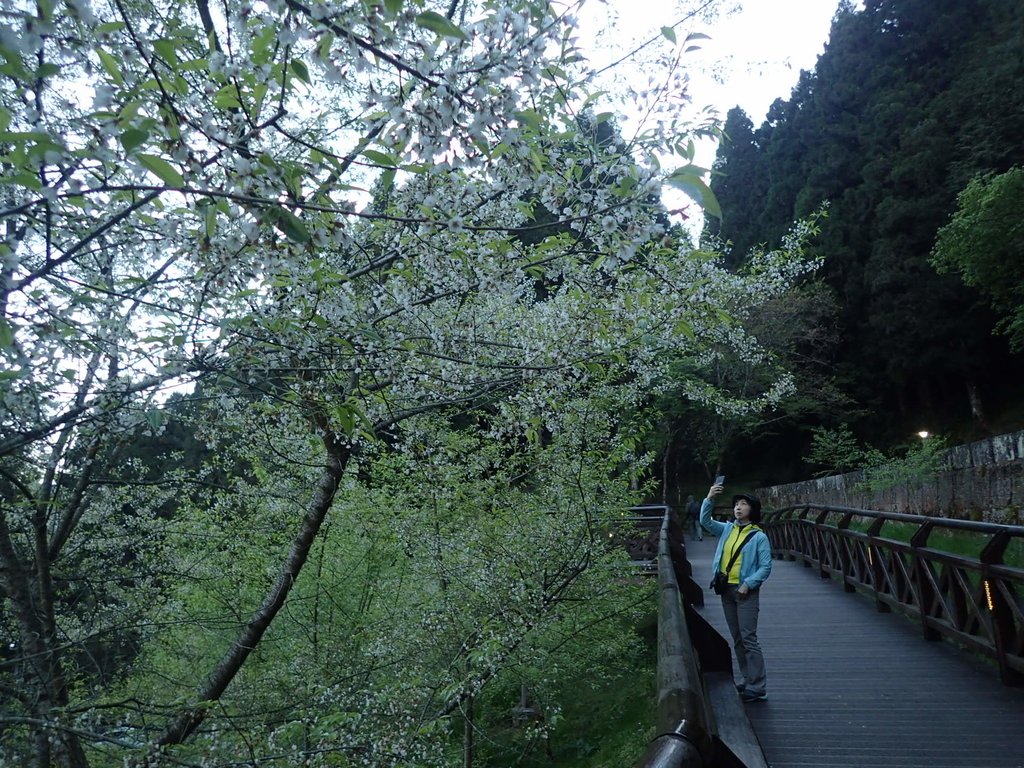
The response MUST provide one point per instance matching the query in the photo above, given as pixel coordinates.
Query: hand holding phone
(716, 488)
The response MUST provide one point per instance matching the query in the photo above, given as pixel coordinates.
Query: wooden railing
(700, 720)
(975, 601)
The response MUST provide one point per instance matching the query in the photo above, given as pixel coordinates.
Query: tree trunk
(217, 682)
(974, 399)
(46, 689)
(467, 740)
(664, 471)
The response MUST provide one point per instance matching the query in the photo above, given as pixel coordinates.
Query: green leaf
(380, 158)
(690, 170)
(155, 419)
(686, 329)
(669, 33)
(110, 65)
(194, 65)
(23, 179)
(530, 118)
(435, 22)
(168, 51)
(262, 45)
(170, 122)
(132, 138)
(6, 335)
(110, 26)
(178, 85)
(210, 220)
(701, 193)
(160, 168)
(326, 43)
(289, 224)
(346, 419)
(227, 98)
(258, 94)
(130, 110)
(592, 97)
(47, 69)
(393, 7)
(301, 71)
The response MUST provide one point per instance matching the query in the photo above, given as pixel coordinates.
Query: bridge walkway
(850, 687)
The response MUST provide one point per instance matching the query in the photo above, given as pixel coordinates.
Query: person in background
(693, 518)
(741, 597)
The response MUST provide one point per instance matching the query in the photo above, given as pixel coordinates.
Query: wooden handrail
(977, 602)
(683, 739)
(689, 650)
(900, 517)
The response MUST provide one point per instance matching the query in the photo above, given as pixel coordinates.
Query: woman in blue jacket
(741, 597)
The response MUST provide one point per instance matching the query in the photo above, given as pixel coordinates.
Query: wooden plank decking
(853, 688)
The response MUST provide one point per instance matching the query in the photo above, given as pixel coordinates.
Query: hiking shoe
(750, 696)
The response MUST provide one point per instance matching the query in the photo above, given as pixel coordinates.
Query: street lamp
(923, 434)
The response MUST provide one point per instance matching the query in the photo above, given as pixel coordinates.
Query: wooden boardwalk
(850, 687)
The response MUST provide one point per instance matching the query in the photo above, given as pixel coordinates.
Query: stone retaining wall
(980, 481)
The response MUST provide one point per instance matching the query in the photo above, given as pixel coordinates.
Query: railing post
(1000, 611)
(819, 541)
(877, 571)
(923, 582)
(845, 564)
(788, 524)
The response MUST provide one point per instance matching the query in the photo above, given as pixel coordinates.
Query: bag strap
(736, 552)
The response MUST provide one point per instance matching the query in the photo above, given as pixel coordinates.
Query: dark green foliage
(984, 244)
(741, 179)
(910, 100)
(608, 716)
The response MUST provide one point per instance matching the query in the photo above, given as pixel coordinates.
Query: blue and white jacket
(755, 557)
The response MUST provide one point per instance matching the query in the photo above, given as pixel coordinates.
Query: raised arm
(708, 524)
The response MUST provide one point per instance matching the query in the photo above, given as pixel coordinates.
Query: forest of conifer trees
(910, 101)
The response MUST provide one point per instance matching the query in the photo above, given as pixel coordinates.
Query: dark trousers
(741, 616)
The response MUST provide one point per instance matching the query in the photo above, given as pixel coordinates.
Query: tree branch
(231, 662)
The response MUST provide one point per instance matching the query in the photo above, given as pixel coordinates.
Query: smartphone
(720, 480)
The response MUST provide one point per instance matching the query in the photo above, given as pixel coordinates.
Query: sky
(755, 53)
(757, 47)
(761, 51)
